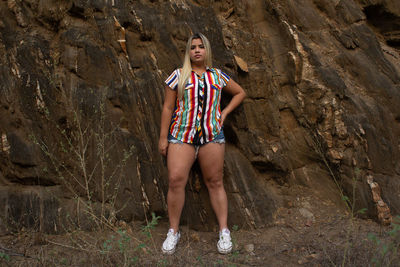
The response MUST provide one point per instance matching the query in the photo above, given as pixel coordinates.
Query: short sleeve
(224, 78)
(172, 80)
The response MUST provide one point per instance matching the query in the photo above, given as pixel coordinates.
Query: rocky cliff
(81, 86)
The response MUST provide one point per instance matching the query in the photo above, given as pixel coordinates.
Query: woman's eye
(201, 46)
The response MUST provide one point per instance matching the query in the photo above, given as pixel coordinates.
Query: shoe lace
(225, 237)
(171, 237)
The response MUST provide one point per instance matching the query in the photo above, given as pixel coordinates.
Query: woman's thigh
(211, 160)
(180, 159)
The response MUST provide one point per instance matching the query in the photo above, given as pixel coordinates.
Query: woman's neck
(199, 69)
(198, 66)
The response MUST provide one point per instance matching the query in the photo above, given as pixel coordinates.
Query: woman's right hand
(163, 146)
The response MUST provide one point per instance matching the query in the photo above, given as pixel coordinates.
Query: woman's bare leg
(211, 160)
(180, 159)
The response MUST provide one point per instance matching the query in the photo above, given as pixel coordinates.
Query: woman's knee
(176, 181)
(215, 182)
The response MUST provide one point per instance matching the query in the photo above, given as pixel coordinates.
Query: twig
(10, 252)
(71, 247)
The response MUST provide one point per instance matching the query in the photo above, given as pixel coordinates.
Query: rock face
(81, 86)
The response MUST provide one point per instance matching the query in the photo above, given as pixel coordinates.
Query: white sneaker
(170, 242)
(224, 244)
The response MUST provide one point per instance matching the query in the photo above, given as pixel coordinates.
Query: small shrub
(387, 251)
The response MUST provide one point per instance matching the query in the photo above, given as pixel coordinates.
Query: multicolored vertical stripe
(199, 106)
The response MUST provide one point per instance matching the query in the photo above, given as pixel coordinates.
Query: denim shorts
(219, 139)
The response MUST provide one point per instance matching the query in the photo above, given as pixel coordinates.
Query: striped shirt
(197, 115)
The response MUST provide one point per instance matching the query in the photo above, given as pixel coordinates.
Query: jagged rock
(241, 63)
(322, 80)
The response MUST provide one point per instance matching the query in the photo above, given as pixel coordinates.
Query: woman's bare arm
(238, 94)
(168, 109)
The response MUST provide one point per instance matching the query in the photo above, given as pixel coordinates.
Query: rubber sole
(224, 251)
(168, 252)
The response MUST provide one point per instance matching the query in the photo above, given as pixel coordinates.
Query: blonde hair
(187, 64)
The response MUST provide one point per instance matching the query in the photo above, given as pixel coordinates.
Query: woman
(191, 126)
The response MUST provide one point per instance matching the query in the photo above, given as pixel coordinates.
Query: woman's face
(197, 51)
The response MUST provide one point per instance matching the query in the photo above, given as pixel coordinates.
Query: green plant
(199, 261)
(123, 241)
(146, 230)
(235, 251)
(235, 228)
(4, 256)
(162, 262)
(63, 261)
(120, 243)
(107, 245)
(150, 225)
(351, 204)
(87, 161)
(387, 251)
(234, 254)
(318, 147)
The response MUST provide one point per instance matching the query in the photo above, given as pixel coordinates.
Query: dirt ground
(306, 232)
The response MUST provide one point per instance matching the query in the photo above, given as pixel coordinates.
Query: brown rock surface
(323, 86)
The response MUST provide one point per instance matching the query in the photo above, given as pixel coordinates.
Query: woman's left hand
(238, 95)
(223, 117)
